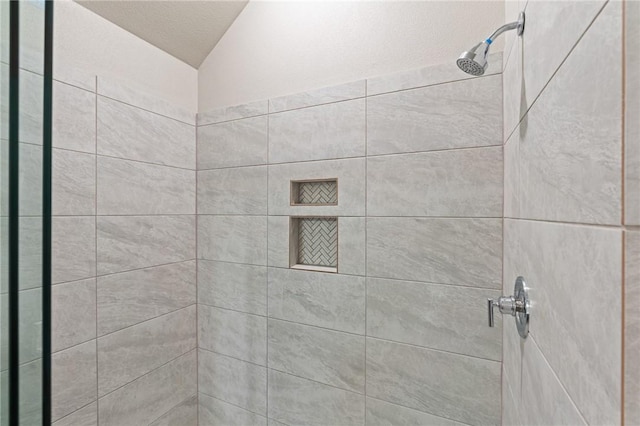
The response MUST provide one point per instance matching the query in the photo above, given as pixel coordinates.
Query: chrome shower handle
(517, 306)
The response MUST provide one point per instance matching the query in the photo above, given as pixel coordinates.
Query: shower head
(474, 61)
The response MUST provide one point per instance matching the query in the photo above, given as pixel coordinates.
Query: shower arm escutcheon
(517, 306)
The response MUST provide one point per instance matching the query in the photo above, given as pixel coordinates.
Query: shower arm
(515, 25)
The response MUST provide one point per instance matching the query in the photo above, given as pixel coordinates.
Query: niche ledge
(313, 244)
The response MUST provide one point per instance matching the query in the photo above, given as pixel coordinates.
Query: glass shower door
(25, 211)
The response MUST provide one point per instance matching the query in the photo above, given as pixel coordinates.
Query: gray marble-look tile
(29, 326)
(318, 133)
(513, 90)
(233, 144)
(454, 386)
(583, 349)
(86, 416)
(73, 248)
(546, 401)
(31, 106)
(30, 180)
(183, 414)
(241, 190)
(512, 193)
(325, 300)
(127, 354)
(382, 413)
(141, 98)
(632, 325)
(128, 298)
(351, 187)
(570, 141)
(234, 112)
(74, 76)
(240, 239)
(74, 183)
(554, 28)
(73, 316)
(632, 112)
(325, 356)
(427, 76)
(511, 404)
(430, 315)
(447, 251)
(351, 245)
(237, 382)
(148, 397)
(233, 286)
(325, 95)
(74, 118)
(73, 379)
(30, 395)
(236, 334)
(293, 400)
(214, 412)
(131, 242)
(130, 187)
(278, 250)
(135, 134)
(462, 114)
(465, 183)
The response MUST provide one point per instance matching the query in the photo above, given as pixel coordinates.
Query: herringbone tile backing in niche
(318, 192)
(318, 241)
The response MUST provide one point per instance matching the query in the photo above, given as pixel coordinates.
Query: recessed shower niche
(313, 240)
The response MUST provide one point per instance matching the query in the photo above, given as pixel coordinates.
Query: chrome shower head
(474, 61)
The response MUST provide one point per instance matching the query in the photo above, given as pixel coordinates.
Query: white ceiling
(186, 29)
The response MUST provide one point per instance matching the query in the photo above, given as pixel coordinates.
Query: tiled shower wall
(124, 293)
(566, 219)
(399, 334)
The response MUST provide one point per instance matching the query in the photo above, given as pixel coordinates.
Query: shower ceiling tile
(461, 114)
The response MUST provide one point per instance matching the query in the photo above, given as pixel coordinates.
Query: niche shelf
(313, 244)
(317, 192)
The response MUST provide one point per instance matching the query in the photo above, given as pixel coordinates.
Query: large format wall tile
(73, 313)
(631, 122)
(235, 112)
(128, 298)
(459, 251)
(148, 397)
(325, 300)
(86, 416)
(454, 386)
(466, 113)
(130, 187)
(325, 356)
(317, 133)
(74, 183)
(431, 315)
(139, 97)
(427, 76)
(632, 324)
(570, 147)
(351, 186)
(73, 379)
(132, 352)
(382, 413)
(241, 190)
(30, 180)
(447, 183)
(73, 248)
(131, 242)
(293, 400)
(545, 401)
(553, 258)
(236, 334)
(74, 118)
(183, 414)
(232, 144)
(240, 239)
(233, 286)
(238, 382)
(325, 95)
(553, 28)
(352, 245)
(132, 133)
(215, 412)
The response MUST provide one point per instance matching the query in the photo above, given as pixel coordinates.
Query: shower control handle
(517, 306)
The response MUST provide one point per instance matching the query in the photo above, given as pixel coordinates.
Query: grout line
(145, 321)
(366, 214)
(147, 110)
(267, 260)
(66, 416)
(197, 262)
(139, 269)
(233, 404)
(149, 163)
(419, 411)
(95, 239)
(232, 119)
(578, 224)
(174, 407)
